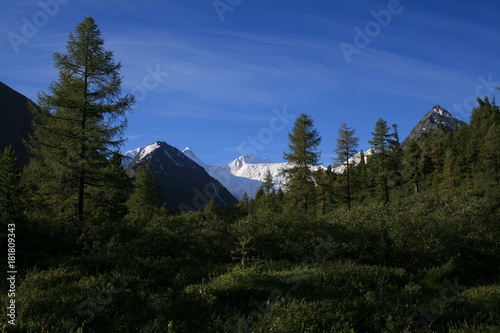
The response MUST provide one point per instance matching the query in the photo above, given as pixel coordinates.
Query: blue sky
(228, 77)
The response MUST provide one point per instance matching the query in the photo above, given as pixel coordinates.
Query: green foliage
(77, 124)
(347, 145)
(144, 202)
(304, 140)
(384, 163)
(11, 190)
(48, 300)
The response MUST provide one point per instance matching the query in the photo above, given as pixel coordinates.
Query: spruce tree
(265, 196)
(304, 140)
(347, 147)
(268, 183)
(412, 165)
(80, 121)
(380, 158)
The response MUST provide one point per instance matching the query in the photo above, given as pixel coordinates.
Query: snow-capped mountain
(183, 184)
(247, 172)
(129, 156)
(354, 160)
(244, 174)
(436, 117)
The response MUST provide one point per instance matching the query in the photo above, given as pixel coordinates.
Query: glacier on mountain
(245, 174)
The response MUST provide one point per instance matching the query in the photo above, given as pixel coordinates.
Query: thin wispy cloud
(220, 80)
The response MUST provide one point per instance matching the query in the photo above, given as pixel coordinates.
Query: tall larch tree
(80, 121)
(303, 143)
(347, 147)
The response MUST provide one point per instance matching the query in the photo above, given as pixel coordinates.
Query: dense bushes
(422, 263)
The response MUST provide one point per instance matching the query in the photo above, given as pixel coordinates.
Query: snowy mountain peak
(442, 112)
(248, 159)
(148, 149)
(129, 156)
(435, 118)
(252, 159)
(189, 153)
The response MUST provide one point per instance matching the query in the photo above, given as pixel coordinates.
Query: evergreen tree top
(304, 140)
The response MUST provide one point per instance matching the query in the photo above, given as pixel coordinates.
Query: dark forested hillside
(15, 121)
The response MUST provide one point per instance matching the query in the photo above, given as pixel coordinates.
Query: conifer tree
(211, 208)
(380, 158)
(265, 197)
(268, 183)
(245, 199)
(483, 116)
(325, 184)
(412, 165)
(110, 199)
(347, 147)
(303, 142)
(360, 179)
(144, 202)
(448, 174)
(80, 121)
(491, 152)
(11, 191)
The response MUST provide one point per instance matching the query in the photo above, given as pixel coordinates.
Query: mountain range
(183, 184)
(246, 173)
(186, 182)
